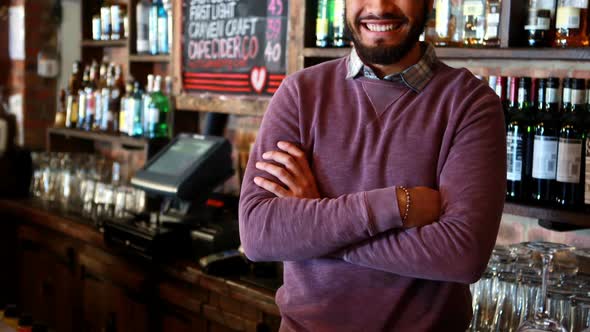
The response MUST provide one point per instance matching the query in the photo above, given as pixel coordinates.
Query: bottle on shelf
(569, 189)
(449, 14)
(112, 102)
(72, 100)
(126, 112)
(158, 111)
(117, 29)
(137, 111)
(146, 101)
(60, 114)
(322, 25)
(492, 30)
(96, 27)
(82, 98)
(168, 5)
(338, 21)
(91, 95)
(162, 27)
(474, 22)
(571, 23)
(517, 137)
(154, 17)
(540, 26)
(143, 26)
(105, 19)
(546, 139)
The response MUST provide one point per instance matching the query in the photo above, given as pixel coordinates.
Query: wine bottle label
(567, 95)
(578, 97)
(576, 3)
(153, 116)
(569, 160)
(473, 8)
(568, 18)
(523, 95)
(514, 153)
(545, 157)
(587, 184)
(552, 96)
(123, 121)
(3, 136)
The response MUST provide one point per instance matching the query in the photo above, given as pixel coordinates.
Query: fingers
(290, 162)
(279, 172)
(271, 186)
(298, 154)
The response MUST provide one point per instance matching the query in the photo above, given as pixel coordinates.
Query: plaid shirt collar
(415, 77)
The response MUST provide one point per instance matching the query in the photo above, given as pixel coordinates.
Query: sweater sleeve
(291, 229)
(472, 186)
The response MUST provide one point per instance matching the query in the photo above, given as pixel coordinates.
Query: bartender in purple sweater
(379, 180)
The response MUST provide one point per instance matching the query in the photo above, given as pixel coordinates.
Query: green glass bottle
(158, 112)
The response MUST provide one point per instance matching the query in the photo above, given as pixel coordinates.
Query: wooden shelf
(207, 102)
(104, 43)
(572, 54)
(149, 58)
(579, 219)
(99, 137)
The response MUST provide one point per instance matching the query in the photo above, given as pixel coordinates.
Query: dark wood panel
(149, 58)
(103, 43)
(99, 137)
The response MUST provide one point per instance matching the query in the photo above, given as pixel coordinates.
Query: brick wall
(21, 77)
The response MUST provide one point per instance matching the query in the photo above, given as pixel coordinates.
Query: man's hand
(292, 170)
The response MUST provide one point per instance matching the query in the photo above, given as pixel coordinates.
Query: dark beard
(381, 55)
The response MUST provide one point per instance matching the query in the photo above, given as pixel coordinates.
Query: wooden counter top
(34, 213)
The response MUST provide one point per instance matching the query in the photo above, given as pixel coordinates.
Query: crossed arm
(282, 216)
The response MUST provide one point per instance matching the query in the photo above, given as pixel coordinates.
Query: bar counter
(66, 276)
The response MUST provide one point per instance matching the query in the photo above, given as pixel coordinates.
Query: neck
(407, 61)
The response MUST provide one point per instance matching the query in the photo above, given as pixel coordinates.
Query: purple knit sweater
(349, 266)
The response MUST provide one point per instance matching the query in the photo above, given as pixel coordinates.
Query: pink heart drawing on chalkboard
(258, 78)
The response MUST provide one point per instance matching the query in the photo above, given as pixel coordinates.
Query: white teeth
(380, 27)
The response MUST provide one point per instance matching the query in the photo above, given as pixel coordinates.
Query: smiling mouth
(381, 27)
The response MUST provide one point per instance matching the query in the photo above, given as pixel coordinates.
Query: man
(379, 180)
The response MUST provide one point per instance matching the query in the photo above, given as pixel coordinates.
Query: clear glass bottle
(153, 34)
(540, 25)
(116, 22)
(474, 22)
(338, 22)
(105, 19)
(72, 96)
(571, 23)
(143, 26)
(449, 14)
(492, 31)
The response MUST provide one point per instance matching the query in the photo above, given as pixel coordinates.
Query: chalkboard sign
(234, 46)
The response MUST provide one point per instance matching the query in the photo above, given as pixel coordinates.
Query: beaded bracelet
(408, 201)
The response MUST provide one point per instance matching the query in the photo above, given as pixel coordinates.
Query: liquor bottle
(162, 27)
(569, 189)
(90, 91)
(541, 22)
(546, 139)
(159, 112)
(114, 104)
(146, 101)
(125, 115)
(474, 22)
(72, 96)
(168, 6)
(153, 27)
(143, 26)
(116, 22)
(517, 139)
(105, 96)
(322, 25)
(105, 19)
(492, 35)
(137, 111)
(96, 27)
(61, 112)
(338, 21)
(100, 101)
(82, 98)
(571, 23)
